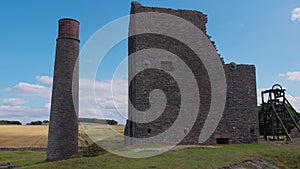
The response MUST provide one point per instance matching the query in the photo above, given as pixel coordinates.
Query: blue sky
(259, 32)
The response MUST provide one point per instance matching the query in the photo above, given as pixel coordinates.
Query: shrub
(92, 151)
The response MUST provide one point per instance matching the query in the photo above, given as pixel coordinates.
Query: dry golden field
(17, 136)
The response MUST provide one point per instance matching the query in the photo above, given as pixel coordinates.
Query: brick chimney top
(68, 28)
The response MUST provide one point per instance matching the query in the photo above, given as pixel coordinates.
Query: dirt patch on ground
(256, 163)
(172, 148)
(180, 147)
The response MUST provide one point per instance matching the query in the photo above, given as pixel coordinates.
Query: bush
(35, 123)
(46, 122)
(92, 151)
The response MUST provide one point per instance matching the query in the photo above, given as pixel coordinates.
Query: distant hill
(98, 121)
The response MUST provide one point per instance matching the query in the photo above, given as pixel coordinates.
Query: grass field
(23, 136)
(109, 137)
(282, 155)
(17, 136)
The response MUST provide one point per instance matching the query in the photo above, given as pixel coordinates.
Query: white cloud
(13, 108)
(294, 76)
(296, 14)
(295, 101)
(44, 79)
(14, 101)
(259, 96)
(47, 105)
(260, 90)
(33, 90)
(108, 101)
(23, 114)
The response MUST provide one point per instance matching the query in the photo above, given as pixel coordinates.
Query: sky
(265, 33)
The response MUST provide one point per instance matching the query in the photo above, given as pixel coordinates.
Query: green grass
(22, 158)
(282, 155)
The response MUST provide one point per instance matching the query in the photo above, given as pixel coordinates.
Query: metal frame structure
(277, 116)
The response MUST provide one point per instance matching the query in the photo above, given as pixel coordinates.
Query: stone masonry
(63, 127)
(239, 123)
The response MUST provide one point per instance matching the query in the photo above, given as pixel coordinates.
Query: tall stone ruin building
(63, 127)
(239, 123)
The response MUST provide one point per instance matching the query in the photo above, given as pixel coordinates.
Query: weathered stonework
(240, 118)
(239, 123)
(63, 127)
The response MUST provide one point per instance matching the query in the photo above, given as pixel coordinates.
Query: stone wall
(240, 118)
(239, 123)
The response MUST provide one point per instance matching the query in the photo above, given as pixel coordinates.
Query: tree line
(7, 122)
(98, 121)
(84, 120)
(38, 122)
